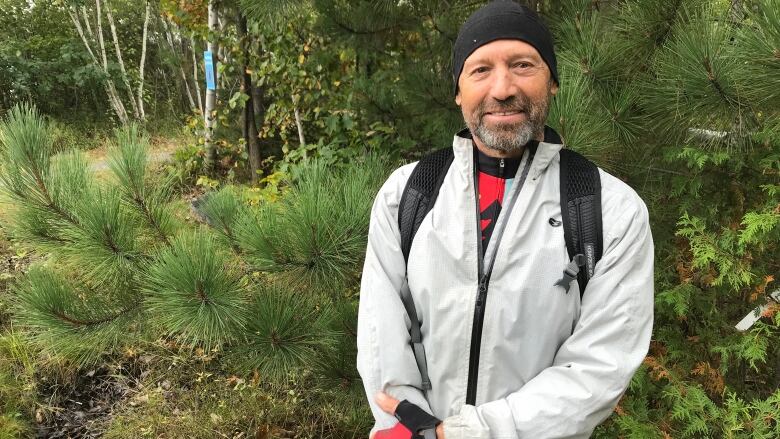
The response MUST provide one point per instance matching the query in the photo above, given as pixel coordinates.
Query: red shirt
(495, 179)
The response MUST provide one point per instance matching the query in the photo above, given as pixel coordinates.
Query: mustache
(511, 104)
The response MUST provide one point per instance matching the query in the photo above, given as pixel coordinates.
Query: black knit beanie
(502, 20)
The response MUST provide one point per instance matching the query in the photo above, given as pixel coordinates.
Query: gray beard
(508, 140)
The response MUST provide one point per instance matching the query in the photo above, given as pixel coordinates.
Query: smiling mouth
(503, 116)
(503, 113)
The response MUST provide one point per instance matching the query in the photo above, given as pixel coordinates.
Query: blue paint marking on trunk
(208, 60)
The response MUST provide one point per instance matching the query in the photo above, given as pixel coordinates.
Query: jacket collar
(547, 150)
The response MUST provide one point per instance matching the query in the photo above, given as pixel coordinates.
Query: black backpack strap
(417, 200)
(581, 214)
(420, 194)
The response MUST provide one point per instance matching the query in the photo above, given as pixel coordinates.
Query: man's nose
(503, 86)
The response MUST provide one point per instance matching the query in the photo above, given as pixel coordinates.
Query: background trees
(250, 292)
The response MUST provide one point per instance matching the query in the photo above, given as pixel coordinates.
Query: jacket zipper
(484, 280)
(479, 309)
(476, 340)
(482, 290)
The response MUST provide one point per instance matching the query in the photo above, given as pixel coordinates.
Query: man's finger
(386, 402)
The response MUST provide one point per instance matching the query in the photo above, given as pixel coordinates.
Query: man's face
(504, 92)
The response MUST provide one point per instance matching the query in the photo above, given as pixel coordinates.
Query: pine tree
(271, 288)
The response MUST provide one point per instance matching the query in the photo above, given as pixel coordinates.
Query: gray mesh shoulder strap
(417, 200)
(581, 214)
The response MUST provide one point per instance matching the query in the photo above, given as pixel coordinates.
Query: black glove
(418, 421)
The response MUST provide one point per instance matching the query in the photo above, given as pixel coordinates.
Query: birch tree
(88, 38)
(174, 41)
(141, 113)
(120, 60)
(95, 44)
(121, 111)
(211, 95)
(193, 49)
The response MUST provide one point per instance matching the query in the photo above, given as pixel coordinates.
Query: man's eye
(522, 65)
(479, 70)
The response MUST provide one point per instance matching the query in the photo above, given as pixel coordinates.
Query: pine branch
(315, 234)
(76, 322)
(70, 322)
(222, 210)
(288, 332)
(128, 161)
(195, 292)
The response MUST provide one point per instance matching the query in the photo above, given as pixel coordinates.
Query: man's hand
(388, 404)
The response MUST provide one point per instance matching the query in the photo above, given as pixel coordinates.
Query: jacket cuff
(411, 394)
(465, 425)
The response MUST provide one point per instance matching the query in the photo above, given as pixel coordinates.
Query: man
(510, 354)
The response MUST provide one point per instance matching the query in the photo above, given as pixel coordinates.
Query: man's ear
(457, 98)
(554, 88)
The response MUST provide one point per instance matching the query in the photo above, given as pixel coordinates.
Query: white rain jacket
(549, 366)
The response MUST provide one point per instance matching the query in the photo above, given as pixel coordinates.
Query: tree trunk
(187, 89)
(114, 96)
(258, 98)
(142, 66)
(299, 124)
(119, 58)
(211, 95)
(194, 46)
(169, 39)
(108, 85)
(86, 21)
(250, 127)
(74, 17)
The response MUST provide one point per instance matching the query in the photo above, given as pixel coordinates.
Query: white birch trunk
(108, 85)
(143, 62)
(86, 21)
(193, 47)
(121, 61)
(187, 89)
(169, 40)
(299, 124)
(74, 17)
(120, 107)
(211, 95)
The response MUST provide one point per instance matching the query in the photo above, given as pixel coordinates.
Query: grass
(17, 385)
(194, 395)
